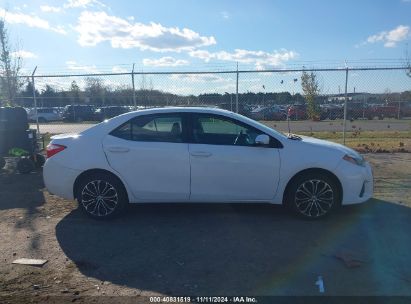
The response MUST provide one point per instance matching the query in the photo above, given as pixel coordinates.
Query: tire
(101, 196)
(2, 162)
(40, 160)
(300, 195)
(25, 165)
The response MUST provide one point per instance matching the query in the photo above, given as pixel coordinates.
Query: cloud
(200, 78)
(260, 59)
(98, 27)
(83, 4)
(71, 4)
(20, 8)
(225, 15)
(23, 54)
(165, 62)
(50, 9)
(118, 69)
(72, 65)
(390, 38)
(30, 21)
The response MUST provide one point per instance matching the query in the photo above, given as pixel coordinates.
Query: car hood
(328, 144)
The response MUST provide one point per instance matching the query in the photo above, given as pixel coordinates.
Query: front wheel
(101, 196)
(313, 195)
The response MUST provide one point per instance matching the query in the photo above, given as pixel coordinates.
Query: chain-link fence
(367, 108)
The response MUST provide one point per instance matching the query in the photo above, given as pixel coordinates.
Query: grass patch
(369, 141)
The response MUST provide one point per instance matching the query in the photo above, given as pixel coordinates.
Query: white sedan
(196, 155)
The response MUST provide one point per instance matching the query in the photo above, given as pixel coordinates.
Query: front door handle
(201, 154)
(118, 149)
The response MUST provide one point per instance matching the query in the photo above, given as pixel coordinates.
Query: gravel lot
(206, 249)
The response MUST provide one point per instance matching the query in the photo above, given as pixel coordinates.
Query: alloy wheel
(314, 198)
(99, 198)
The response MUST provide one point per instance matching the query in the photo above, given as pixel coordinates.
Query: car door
(226, 165)
(151, 154)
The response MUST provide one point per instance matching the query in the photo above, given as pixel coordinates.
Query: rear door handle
(118, 149)
(201, 154)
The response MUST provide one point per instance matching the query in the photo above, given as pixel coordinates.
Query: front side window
(218, 130)
(152, 128)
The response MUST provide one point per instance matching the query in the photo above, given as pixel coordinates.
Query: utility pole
(35, 100)
(345, 103)
(134, 89)
(236, 93)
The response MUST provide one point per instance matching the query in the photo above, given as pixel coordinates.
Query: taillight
(53, 149)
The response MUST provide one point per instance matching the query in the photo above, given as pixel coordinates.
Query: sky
(91, 36)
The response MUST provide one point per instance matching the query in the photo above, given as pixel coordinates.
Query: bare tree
(9, 68)
(96, 90)
(74, 92)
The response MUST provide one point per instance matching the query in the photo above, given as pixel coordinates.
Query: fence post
(236, 92)
(345, 103)
(35, 100)
(134, 89)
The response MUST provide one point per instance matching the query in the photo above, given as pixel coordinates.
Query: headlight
(356, 160)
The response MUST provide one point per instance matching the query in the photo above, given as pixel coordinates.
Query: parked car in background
(202, 155)
(268, 113)
(332, 111)
(403, 107)
(78, 113)
(104, 113)
(297, 112)
(44, 115)
(243, 109)
(382, 111)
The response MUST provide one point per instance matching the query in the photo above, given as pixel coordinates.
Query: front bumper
(357, 182)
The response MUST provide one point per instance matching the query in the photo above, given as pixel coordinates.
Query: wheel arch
(313, 171)
(90, 172)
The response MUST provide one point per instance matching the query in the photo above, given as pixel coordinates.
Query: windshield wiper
(293, 136)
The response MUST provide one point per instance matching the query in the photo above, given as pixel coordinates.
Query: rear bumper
(59, 180)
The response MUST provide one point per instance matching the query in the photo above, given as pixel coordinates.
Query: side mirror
(262, 140)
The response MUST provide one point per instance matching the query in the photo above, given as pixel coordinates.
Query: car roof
(180, 110)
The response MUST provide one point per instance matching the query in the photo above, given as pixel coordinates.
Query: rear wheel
(2, 162)
(25, 165)
(313, 195)
(101, 196)
(39, 160)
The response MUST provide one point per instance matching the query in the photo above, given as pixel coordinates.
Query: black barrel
(14, 131)
(13, 118)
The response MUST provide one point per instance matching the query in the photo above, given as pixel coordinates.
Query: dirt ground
(205, 249)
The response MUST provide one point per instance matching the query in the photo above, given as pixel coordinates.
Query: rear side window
(152, 128)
